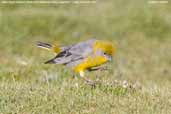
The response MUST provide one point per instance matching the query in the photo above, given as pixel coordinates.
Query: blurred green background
(140, 30)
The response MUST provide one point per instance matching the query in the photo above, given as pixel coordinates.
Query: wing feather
(74, 53)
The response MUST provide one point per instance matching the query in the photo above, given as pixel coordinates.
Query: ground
(138, 82)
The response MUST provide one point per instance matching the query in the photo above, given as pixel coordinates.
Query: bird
(82, 56)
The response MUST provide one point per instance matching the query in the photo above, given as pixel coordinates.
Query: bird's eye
(105, 53)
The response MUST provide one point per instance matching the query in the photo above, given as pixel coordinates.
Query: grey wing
(83, 48)
(62, 58)
(73, 54)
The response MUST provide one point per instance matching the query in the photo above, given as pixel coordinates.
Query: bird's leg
(73, 75)
(87, 80)
(98, 68)
(103, 68)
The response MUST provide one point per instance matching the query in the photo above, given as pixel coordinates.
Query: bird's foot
(91, 82)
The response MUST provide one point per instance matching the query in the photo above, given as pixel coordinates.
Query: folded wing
(73, 54)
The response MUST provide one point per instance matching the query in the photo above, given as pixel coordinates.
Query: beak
(110, 58)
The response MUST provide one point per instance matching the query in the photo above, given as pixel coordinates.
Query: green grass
(141, 32)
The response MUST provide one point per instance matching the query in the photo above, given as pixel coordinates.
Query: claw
(88, 81)
(91, 82)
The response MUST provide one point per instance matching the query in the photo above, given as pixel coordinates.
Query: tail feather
(44, 45)
(54, 48)
(50, 61)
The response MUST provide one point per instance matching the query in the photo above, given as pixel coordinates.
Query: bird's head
(104, 46)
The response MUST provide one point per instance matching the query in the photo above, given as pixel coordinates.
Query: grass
(141, 32)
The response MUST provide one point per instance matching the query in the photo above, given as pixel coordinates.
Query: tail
(54, 61)
(54, 48)
(50, 62)
(44, 45)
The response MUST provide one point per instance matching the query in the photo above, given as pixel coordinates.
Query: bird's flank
(90, 62)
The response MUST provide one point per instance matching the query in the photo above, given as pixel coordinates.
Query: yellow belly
(90, 62)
